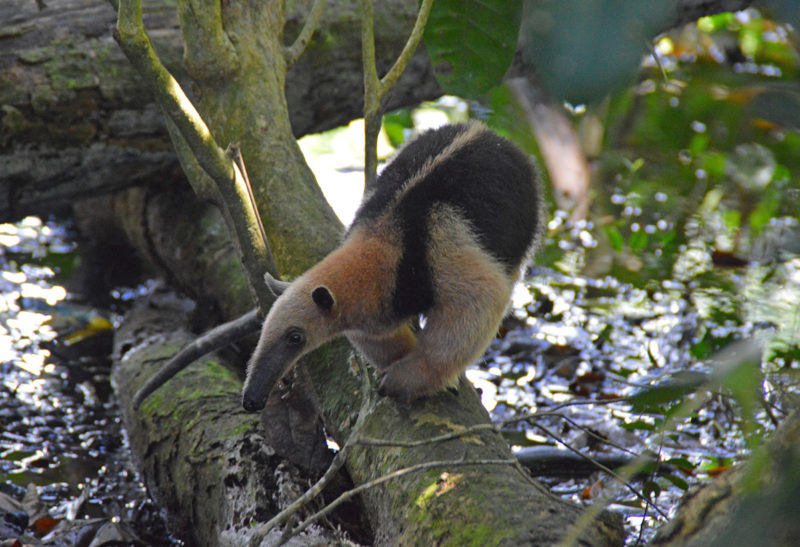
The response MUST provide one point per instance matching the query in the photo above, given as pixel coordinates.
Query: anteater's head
(300, 320)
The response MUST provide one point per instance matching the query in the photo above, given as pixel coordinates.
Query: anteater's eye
(295, 337)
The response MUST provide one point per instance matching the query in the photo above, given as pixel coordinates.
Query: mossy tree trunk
(204, 459)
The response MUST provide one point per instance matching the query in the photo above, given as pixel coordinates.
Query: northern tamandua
(443, 236)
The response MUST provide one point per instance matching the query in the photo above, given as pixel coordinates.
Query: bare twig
(554, 411)
(628, 471)
(404, 58)
(287, 513)
(235, 153)
(214, 339)
(369, 441)
(748, 350)
(296, 50)
(375, 88)
(576, 425)
(394, 475)
(608, 470)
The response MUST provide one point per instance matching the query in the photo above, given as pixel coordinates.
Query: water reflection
(578, 347)
(60, 435)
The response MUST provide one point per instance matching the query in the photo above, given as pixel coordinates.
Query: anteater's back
(485, 178)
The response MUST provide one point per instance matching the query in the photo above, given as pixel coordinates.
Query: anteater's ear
(276, 286)
(323, 298)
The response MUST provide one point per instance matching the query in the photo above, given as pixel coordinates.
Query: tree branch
(375, 88)
(234, 194)
(369, 441)
(414, 39)
(599, 465)
(209, 52)
(372, 96)
(296, 50)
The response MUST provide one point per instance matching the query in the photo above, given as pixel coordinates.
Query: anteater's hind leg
(455, 336)
(471, 294)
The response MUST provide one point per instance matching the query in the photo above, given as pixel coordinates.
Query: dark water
(62, 448)
(579, 347)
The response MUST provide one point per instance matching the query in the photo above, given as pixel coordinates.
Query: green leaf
(763, 213)
(701, 349)
(733, 219)
(574, 54)
(698, 144)
(397, 125)
(679, 384)
(638, 240)
(714, 163)
(604, 336)
(636, 164)
(744, 382)
(667, 238)
(681, 463)
(677, 481)
(651, 490)
(471, 43)
(638, 425)
(614, 238)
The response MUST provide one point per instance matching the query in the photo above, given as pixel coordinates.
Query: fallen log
(76, 120)
(204, 459)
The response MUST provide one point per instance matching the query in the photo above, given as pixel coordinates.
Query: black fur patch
(488, 180)
(323, 298)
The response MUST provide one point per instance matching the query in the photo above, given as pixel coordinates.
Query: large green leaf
(471, 43)
(675, 387)
(584, 49)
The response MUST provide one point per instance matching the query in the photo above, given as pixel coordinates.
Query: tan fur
(471, 295)
(471, 290)
(381, 350)
(359, 274)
